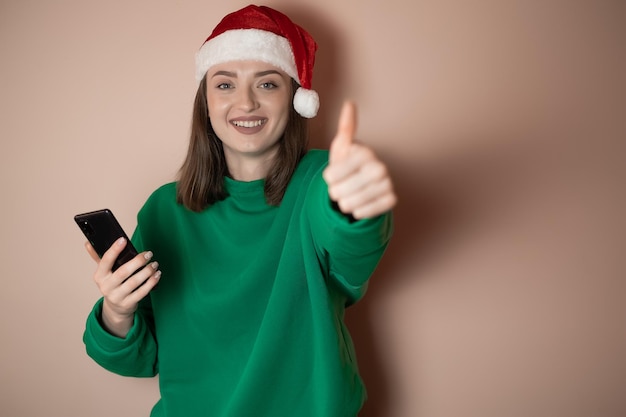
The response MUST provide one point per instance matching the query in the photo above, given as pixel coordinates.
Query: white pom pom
(306, 102)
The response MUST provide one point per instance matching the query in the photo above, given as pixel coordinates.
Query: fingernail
(154, 265)
(148, 255)
(120, 241)
(157, 275)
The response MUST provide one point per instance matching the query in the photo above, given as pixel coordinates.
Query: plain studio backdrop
(503, 291)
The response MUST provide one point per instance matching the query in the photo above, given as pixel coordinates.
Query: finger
(92, 252)
(109, 257)
(345, 132)
(142, 291)
(360, 156)
(133, 266)
(133, 283)
(376, 207)
(113, 283)
(355, 200)
(370, 173)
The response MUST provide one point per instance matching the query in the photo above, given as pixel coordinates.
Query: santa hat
(263, 34)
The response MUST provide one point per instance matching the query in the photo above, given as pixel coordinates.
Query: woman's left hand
(357, 180)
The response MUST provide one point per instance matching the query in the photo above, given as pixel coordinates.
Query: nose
(247, 99)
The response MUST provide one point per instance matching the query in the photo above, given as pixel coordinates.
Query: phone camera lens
(87, 229)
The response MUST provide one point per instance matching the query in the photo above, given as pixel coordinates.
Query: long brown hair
(201, 177)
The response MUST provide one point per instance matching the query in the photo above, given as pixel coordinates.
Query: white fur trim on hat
(246, 45)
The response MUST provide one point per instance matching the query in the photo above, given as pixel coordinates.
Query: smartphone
(102, 229)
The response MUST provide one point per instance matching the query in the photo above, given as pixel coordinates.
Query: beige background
(503, 291)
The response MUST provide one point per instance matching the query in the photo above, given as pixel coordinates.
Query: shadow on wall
(464, 189)
(419, 219)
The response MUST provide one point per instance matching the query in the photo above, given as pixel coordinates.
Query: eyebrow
(234, 75)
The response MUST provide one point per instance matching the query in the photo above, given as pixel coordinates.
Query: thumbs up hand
(357, 180)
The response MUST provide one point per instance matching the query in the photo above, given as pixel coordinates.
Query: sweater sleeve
(136, 354)
(349, 250)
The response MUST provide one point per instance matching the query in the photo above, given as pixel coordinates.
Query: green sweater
(247, 319)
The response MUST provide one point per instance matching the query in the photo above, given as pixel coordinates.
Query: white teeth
(246, 123)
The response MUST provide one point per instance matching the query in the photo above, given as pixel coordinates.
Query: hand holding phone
(102, 229)
(122, 292)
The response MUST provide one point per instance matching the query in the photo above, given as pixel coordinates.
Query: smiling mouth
(249, 123)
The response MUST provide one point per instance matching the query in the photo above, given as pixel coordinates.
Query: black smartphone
(102, 229)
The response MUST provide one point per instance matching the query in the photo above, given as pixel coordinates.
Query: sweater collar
(244, 188)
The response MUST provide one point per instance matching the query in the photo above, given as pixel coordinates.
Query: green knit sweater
(247, 319)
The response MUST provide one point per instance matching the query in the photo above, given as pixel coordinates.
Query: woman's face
(248, 103)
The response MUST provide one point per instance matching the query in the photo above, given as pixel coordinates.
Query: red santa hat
(264, 34)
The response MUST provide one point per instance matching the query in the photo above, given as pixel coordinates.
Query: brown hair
(201, 177)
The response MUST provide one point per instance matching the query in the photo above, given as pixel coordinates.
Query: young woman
(261, 245)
